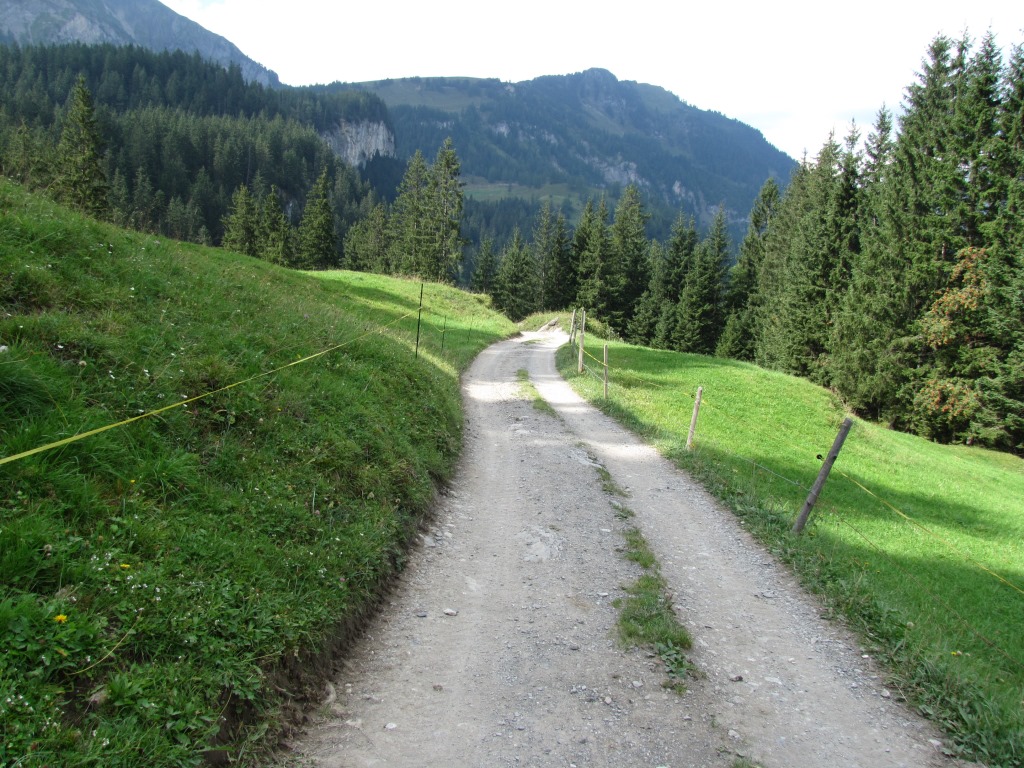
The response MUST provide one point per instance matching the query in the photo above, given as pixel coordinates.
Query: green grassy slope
(163, 582)
(921, 546)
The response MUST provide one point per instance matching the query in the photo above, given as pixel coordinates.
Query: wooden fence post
(583, 332)
(605, 371)
(801, 520)
(693, 419)
(572, 328)
(419, 317)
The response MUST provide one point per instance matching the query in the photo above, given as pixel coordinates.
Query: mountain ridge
(561, 139)
(590, 133)
(146, 23)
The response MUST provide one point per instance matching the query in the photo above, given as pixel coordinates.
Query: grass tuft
(646, 617)
(529, 391)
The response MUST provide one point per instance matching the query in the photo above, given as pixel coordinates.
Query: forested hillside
(178, 135)
(565, 139)
(895, 273)
(890, 271)
(146, 23)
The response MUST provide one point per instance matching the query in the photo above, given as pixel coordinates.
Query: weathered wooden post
(583, 332)
(572, 329)
(801, 520)
(419, 317)
(693, 419)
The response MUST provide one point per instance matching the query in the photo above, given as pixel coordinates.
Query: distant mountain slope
(588, 133)
(146, 23)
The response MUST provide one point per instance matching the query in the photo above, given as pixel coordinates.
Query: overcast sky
(794, 71)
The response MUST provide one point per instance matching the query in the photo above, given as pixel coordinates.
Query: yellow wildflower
(61, 618)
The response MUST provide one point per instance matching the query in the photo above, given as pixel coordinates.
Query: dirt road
(499, 648)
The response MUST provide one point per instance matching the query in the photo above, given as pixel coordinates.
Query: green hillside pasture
(490, 192)
(921, 546)
(446, 94)
(165, 584)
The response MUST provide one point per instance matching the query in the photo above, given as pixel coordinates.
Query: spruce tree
(667, 292)
(552, 251)
(368, 243)
(641, 327)
(318, 239)
(630, 247)
(598, 286)
(516, 284)
(867, 364)
(486, 272)
(809, 250)
(275, 233)
(698, 315)
(242, 224)
(80, 179)
(444, 209)
(737, 339)
(410, 236)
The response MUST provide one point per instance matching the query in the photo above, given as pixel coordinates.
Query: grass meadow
(172, 586)
(920, 546)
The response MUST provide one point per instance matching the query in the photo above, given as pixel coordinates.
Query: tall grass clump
(920, 546)
(170, 587)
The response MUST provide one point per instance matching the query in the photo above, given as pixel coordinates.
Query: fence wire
(196, 398)
(958, 551)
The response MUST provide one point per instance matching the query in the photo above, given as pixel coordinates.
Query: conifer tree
(275, 233)
(775, 344)
(866, 363)
(444, 210)
(242, 224)
(698, 315)
(486, 272)
(80, 179)
(678, 264)
(516, 284)
(553, 253)
(318, 239)
(807, 264)
(599, 282)
(630, 248)
(737, 339)
(368, 244)
(410, 235)
(641, 327)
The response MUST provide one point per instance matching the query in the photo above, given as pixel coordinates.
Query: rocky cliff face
(357, 143)
(146, 23)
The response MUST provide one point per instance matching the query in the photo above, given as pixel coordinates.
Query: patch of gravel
(498, 646)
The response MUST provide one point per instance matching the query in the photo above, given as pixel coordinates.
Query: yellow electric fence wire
(90, 433)
(899, 512)
(934, 535)
(938, 600)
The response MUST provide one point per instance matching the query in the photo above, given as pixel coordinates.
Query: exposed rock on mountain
(358, 142)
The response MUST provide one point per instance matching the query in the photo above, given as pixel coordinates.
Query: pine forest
(889, 267)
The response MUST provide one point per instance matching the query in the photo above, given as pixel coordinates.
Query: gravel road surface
(498, 646)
